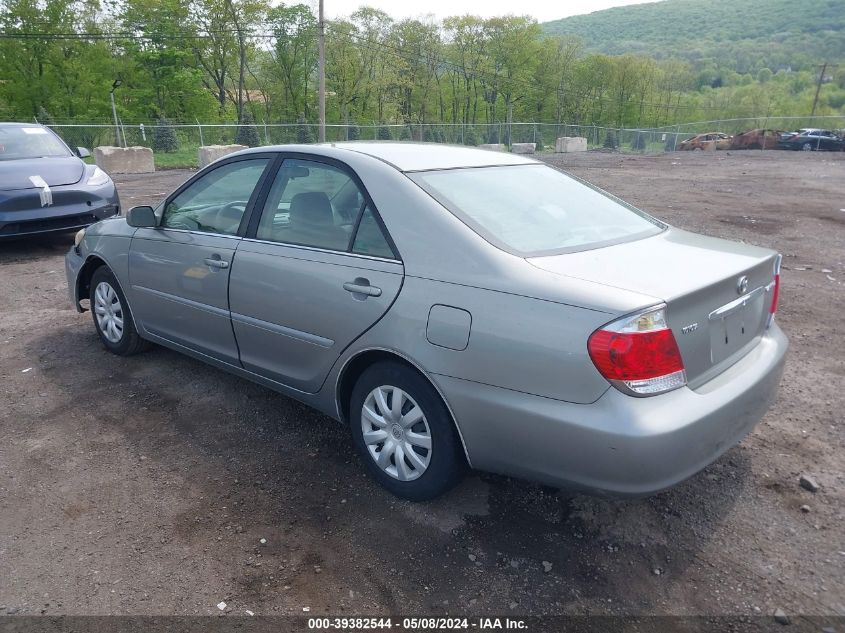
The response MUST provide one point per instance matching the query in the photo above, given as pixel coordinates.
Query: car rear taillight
(638, 354)
(775, 286)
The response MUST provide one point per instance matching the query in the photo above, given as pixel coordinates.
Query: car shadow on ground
(22, 249)
(248, 462)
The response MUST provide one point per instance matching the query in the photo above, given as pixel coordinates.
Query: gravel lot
(146, 485)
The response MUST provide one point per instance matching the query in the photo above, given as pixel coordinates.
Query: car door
(179, 271)
(828, 140)
(314, 272)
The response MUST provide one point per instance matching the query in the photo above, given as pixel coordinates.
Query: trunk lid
(55, 171)
(715, 317)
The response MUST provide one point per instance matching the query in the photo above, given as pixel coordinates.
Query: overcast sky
(543, 10)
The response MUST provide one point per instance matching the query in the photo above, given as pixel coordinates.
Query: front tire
(404, 432)
(807, 147)
(112, 316)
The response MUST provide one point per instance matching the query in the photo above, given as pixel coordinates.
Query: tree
(384, 134)
(294, 56)
(164, 138)
(639, 142)
(247, 133)
(304, 133)
(470, 136)
(44, 117)
(162, 78)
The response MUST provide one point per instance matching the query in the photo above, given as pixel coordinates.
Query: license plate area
(736, 324)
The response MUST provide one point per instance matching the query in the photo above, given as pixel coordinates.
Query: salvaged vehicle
(454, 307)
(756, 139)
(811, 140)
(45, 187)
(711, 140)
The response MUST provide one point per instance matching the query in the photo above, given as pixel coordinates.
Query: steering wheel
(235, 205)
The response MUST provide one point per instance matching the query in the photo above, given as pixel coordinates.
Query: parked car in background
(454, 307)
(46, 187)
(706, 141)
(813, 140)
(756, 139)
(803, 130)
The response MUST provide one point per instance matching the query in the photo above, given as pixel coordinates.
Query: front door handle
(215, 262)
(362, 287)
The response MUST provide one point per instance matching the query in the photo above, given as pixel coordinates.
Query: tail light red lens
(775, 295)
(775, 291)
(639, 354)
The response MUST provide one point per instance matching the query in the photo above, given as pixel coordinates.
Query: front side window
(216, 202)
(533, 210)
(29, 142)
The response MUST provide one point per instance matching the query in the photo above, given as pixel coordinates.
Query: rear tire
(807, 147)
(112, 316)
(404, 432)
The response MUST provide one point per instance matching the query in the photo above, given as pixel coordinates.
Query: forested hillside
(740, 35)
(256, 60)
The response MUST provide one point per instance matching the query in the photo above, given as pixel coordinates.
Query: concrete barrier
(124, 160)
(207, 154)
(566, 144)
(524, 148)
(496, 147)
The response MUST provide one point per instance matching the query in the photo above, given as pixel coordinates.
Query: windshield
(29, 142)
(532, 210)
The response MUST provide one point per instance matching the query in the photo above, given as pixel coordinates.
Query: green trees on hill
(740, 35)
(255, 60)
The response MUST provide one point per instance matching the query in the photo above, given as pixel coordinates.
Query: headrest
(311, 207)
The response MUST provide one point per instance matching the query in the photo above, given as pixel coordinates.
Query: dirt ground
(145, 485)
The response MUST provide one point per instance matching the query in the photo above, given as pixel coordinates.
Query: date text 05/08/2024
(415, 624)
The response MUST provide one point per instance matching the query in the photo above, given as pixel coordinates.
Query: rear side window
(320, 205)
(370, 239)
(532, 210)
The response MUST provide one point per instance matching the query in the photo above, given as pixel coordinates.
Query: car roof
(15, 124)
(426, 156)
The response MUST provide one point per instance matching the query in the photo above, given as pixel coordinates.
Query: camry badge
(692, 327)
(45, 194)
(742, 285)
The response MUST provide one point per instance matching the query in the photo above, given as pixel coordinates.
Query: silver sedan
(455, 307)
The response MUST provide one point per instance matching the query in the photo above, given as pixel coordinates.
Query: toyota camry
(455, 307)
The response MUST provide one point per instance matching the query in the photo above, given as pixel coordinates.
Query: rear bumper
(619, 445)
(21, 215)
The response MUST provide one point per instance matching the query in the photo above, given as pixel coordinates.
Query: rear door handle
(362, 287)
(212, 262)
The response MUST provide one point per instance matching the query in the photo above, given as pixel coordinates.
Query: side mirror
(82, 152)
(142, 217)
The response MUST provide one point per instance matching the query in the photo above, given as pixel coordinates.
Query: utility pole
(321, 46)
(818, 87)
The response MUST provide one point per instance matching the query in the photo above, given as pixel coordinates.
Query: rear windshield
(29, 142)
(532, 210)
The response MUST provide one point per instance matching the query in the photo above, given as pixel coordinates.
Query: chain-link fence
(183, 139)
